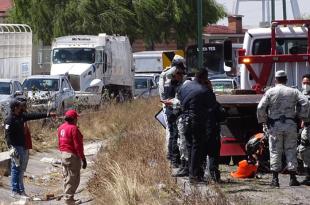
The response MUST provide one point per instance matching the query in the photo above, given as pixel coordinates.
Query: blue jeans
(17, 173)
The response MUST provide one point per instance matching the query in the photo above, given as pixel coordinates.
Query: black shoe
(182, 172)
(275, 183)
(293, 179)
(306, 181)
(294, 182)
(197, 180)
(215, 176)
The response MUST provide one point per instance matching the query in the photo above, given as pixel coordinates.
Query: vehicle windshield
(41, 84)
(222, 86)
(283, 46)
(212, 58)
(5, 88)
(73, 55)
(141, 83)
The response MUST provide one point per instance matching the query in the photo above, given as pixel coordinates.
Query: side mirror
(228, 53)
(18, 93)
(227, 69)
(96, 82)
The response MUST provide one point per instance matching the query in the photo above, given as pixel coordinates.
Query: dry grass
(133, 169)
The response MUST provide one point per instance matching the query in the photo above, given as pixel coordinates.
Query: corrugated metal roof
(5, 5)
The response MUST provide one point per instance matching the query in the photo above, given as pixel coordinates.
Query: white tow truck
(93, 64)
(284, 46)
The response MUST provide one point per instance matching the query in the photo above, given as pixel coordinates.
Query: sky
(252, 11)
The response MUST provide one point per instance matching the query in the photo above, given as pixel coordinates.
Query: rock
(92, 148)
(22, 201)
(50, 160)
(49, 196)
(36, 199)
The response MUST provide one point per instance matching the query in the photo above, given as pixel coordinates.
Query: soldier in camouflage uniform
(277, 109)
(170, 81)
(304, 147)
(181, 142)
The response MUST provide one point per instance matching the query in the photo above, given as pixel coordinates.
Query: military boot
(215, 176)
(275, 180)
(183, 171)
(293, 179)
(306, 181)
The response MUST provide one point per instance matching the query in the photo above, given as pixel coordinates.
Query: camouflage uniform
(304, 147)
(277, 108)
(167, 90)
(182, 140)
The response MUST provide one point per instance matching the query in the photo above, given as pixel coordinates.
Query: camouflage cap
(280, 73)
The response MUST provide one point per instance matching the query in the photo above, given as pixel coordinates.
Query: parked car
(49, 93)
(224, 85)
(9, 89)
(146, 85)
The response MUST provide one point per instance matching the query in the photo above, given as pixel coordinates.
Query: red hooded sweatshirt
(70, 140)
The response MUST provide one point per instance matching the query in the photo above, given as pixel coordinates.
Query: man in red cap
(70, 142)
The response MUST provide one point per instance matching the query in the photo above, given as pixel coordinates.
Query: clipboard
(161, 118)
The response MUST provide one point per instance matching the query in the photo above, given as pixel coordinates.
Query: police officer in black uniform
(196, 101)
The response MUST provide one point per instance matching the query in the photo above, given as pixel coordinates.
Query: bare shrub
(133, 169)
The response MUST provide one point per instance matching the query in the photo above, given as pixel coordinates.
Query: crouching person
(70, 141)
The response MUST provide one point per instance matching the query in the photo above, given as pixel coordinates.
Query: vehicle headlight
(93, 89)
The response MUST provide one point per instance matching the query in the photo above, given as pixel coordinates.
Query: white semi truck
(93, 64)
(15, 51)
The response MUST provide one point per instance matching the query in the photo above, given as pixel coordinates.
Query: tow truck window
(140, 83)
(73, 55)
(5, 88)
(41, 84)
(213, 58)
(283, 46)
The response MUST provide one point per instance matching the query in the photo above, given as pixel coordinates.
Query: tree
(152, 20)
(183, 15)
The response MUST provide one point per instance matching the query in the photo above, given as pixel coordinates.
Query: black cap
(14, 103)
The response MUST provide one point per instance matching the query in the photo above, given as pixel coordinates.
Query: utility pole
(273, 10)
(284, 10)
(199, 33)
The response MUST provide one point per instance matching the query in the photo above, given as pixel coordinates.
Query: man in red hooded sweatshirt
(70, 142)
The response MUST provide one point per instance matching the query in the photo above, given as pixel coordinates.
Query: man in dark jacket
(15, 139)
(196, 100)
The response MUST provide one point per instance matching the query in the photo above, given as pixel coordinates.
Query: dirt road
(258, 191)
(43, 179)
(252, 191)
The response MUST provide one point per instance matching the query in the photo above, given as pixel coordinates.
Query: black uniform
(14, 127)
(196, 101)
(216, 116)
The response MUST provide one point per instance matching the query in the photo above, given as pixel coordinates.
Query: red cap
(72, 114)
